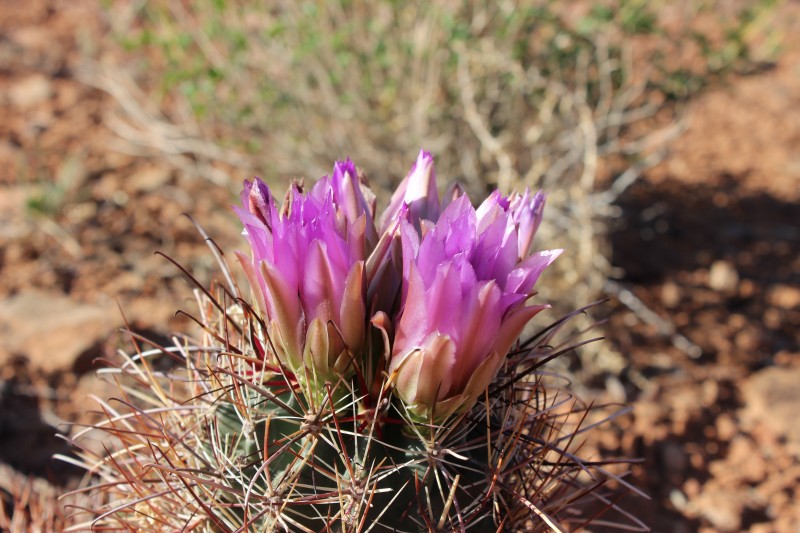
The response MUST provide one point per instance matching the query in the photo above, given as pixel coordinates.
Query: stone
(784, 296)
(13, 222)
(149, 178)
(771, 398)
(722, 276)
(30, 91)
(670, 294)
(749, 463)
(721, 506)
(51, 330)
(726, 427)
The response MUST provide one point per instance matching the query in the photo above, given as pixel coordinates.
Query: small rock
(12, 214)
(746, 288)
(785, 357)
(34, 37)
(678, 499)
(67, 95)
(772, 397)
(691, 488)
(784, 296)
(670, 294)
(747, 340)
(51, 330)
(149, 178)
(615, 390)
(748, 462)
(709, 392)
(726, 427)
(30, 91)
(737, 321)
(721, 507)
(723, 276)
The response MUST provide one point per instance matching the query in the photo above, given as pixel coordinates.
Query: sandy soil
(709, 241)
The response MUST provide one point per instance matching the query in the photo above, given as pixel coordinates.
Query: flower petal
(442, 301)
(413, 323)
(482, 377)
(436, 373)
(256, 284)
(527, 213)
(323, 284)
(417, 191)
(349, 194)
(481, 319)
(522, 279)
(353, 312)
(316, 355)
(512, 327)
(287, 312)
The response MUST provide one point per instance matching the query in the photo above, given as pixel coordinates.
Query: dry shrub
(578, 99)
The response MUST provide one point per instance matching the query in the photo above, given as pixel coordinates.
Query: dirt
(709, 241)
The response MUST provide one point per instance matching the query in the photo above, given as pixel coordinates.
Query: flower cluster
(445, 285)
(307, 268)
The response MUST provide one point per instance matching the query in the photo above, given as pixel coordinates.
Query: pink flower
(307, 268)
(446, 284)
(465, 287)
(417, 191)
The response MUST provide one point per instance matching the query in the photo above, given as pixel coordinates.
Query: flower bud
(466, 282)
(417, 191)
(307, 269)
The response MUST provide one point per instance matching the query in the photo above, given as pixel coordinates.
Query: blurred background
(667, 135)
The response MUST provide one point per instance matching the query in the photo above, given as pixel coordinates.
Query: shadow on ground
(724, 269)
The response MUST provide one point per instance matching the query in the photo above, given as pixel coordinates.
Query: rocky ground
(709, 241)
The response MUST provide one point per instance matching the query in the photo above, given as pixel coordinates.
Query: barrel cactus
(368, 377)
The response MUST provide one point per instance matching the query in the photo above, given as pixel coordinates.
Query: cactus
(362, 403)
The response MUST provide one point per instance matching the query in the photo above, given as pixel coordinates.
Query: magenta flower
(465, 287)
(307, 268)
(526, 212)
(446, 284)
(417, 191)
